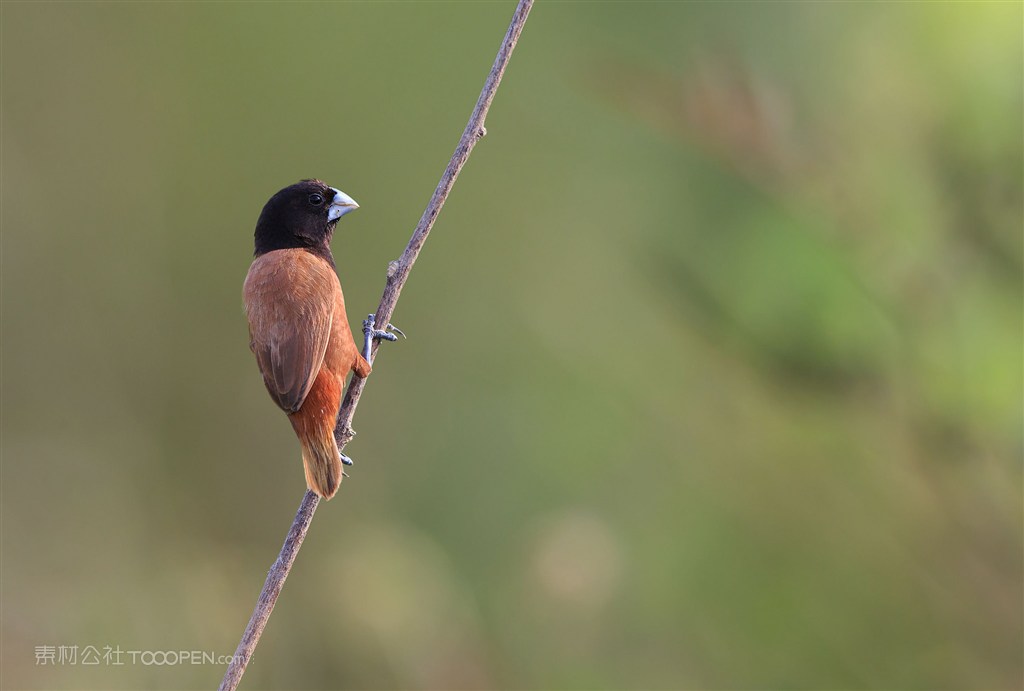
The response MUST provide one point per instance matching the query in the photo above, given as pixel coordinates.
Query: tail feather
(314, 426)
(322, 464)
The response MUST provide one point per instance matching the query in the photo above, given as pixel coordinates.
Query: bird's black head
(302, 216)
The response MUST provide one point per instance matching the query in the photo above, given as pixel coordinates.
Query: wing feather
(289, 301)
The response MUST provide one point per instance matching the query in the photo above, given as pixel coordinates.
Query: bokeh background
(715, 369)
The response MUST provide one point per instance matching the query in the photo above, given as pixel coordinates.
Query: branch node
(481, 133)
(344, 436)
(392, 268)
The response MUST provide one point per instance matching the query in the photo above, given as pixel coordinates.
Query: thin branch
(398, 274)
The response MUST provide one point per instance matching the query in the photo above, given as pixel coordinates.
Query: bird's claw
(371, 333)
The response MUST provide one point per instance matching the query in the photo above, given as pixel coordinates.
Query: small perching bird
(298, 328)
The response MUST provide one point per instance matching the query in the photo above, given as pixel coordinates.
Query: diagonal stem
(398, 274)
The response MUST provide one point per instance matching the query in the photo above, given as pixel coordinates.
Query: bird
(298, 328)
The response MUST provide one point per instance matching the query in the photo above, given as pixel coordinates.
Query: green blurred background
(715, 369)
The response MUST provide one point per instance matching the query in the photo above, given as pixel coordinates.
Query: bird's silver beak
(340, 205)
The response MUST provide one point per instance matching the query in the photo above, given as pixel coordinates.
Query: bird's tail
(314, 426)
(323, 465)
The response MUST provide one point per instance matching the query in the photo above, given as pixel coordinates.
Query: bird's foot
(371, 334)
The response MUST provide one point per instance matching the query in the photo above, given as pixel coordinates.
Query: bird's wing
(289, 301)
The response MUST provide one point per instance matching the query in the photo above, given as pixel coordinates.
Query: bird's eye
(316, 199)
